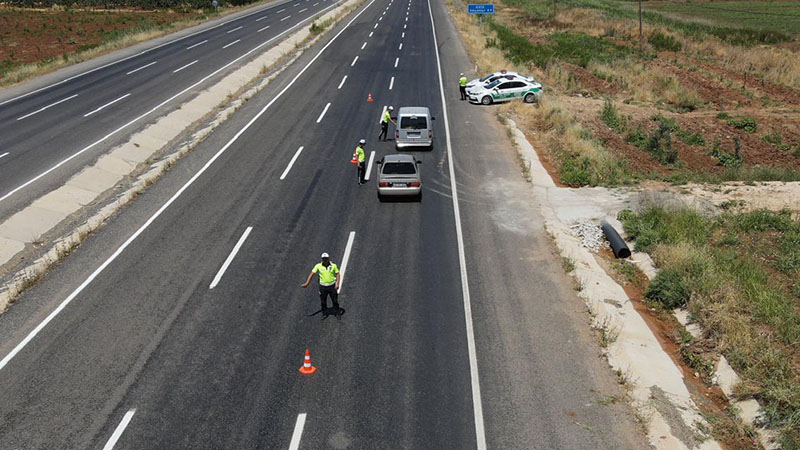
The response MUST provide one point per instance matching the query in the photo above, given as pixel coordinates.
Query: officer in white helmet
(361, 157)
(386, 118)
(329, 279)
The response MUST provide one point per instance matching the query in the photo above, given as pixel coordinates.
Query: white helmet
(462, 74)
(362, 142)
(391, 108)
(325, 255)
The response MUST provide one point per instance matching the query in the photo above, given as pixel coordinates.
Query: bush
(661, 42)
(660, 144)
(773, 138)
(637, 138)
(611, 117)
(745, 123)
(575, 171)
(667, 289)
(692, 138)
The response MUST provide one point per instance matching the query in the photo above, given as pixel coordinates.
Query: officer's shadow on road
(329, 312)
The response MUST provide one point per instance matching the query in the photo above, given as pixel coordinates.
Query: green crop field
(778, 16)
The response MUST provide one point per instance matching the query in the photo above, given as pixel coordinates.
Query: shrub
(667, 289)
(692, 138)
(612, 118)
(575, 171)
(637, 137)
(745, 123)
(773, 138)
(723, 116)
(661, 41)
(660, 144)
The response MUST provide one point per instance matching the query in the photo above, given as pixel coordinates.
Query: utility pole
(640, 26)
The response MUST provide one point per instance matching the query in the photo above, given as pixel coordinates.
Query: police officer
(385, 119)
(360, 158)
(329, 279)
(462, 86)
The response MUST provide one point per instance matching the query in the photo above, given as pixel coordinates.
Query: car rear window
(413, 123)
(399, 168)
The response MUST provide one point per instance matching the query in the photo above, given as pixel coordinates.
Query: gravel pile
(590, 234)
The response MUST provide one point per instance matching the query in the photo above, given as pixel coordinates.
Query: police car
(504, 90)
(492, 77)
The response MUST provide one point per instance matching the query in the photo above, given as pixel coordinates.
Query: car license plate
(399, 185)
(414, 135)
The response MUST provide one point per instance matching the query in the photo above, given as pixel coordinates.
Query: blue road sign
(487, 8)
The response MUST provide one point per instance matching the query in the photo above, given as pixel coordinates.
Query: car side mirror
(419, 162)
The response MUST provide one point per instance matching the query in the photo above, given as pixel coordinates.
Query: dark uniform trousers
(324, 292)
(384, 130)
(463, 90)
(362, 171)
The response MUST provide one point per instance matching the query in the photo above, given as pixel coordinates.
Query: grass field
(778, 16)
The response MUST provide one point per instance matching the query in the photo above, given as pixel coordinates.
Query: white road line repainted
(369, 165)
(261, 18)
(181, 68)
(196, 45)
(363, 45)
(126, 419)
(237, 28)
(396, 60)
(347, 249)
(140, 68)
(298, 431)
(177, 194)
(341, 83)
(322, 114)
(354, 61)
(4, 154)
(291, 163)
(229, 259)
(48, 106)
(391, 83)
(107, 104)
(477, 405)
(228, 45)
(285, 18)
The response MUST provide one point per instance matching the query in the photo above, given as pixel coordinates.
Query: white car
(492, 77)
(505, 90)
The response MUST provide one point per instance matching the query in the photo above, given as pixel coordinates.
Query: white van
(414, 128)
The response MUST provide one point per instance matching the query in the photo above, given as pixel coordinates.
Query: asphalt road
(70, 121)
(147, 355)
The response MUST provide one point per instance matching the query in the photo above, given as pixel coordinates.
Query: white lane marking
(280, 11)
(181, 68)
(291, 163)
(391, 83)
(296, 5)
(341, 83)
(229, 259)
(403, 35)
(477, 405)
(322, 114)
(126, 419)
(285, 18)
(302, 10)
(354, 61)
(363, 45)
(369, 165)
(347, 249)
(401, 46)
(262, 29)
(140, 68)
(370, 33)
(298, 431)
(406, 19)
(404, 26)
(237, 28)
(383, 13)
(228, 45)
(376, 26)
(48, 106)
(4, 154)
(396, 60)
(107, 104)
(261, 18)
(315, 4)
(196, 45)
(180, 191)
(380, 18)
(128, 57)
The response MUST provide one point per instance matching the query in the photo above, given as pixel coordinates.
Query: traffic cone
(369, 97)
(307, 368)
(354, 159)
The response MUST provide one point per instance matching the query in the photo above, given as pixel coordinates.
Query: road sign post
(480, 9)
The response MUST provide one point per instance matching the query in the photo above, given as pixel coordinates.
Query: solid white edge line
(4, 154)
(291, 163)
(396, 60)
(262, 29)
(147, 113)
(107, 104)
(231, 31)
(222, 24)
(48, 106)
(172, 199)
(195, 45)
(229, 259)
(391, 83)
(477, 405)
(322, 114)
(140, 68)
(347, 249)
(181, 68)
(354, 61)
(369, 165)
(298, 431)
(341, 83)
(126, 419)
(228, 45)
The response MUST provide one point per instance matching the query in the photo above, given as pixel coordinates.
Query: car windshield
(487, 77)
(399, 168)
(413, 123)
(492, 84)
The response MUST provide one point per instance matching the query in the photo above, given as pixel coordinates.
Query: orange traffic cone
(369, 97)
(307, 368)
(354, 159)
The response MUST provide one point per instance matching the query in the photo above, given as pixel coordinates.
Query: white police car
(504, 90)
(501, 75)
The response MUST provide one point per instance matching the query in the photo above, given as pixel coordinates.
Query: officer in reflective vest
(360, 158)
(385, 120)
(462, 86)
(329, 280)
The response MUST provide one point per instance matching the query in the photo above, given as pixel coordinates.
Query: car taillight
(414, 184)
(383, 184)
(430, 134)
(396, 134)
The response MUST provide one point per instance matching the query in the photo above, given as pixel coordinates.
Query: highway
(181, 324)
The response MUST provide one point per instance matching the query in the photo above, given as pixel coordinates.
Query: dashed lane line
(322, 114)
(369, 165)
(228, 45)
(126, 419)
(354, 61)
(48, 106)
(345, 259)
(341, 83)
(140, 68)
(183, 67)
(196, 45)
(235, 29)
(107, 104)
(229, 259)
(291, 163)
(298, 431)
